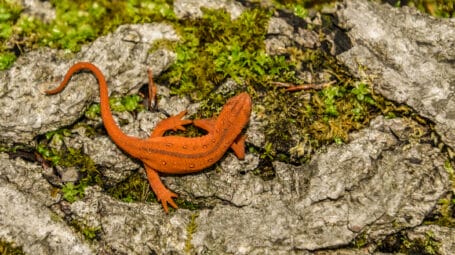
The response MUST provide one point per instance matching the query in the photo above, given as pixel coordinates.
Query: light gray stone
(39, 9)
(25, 218)
(381, 182)
(26, 111)
(375, 185)
(281, 34)
(192, 8)
(408, 54)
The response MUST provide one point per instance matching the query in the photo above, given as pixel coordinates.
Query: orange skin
(173, 154)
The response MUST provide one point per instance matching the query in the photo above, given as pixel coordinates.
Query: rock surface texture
(26, 111)
(385, 180)
(409, 54)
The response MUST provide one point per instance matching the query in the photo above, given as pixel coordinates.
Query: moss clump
(90, 233)
(76, 23)
(444, 214)
(129, 103)
(7, 248)
(190, 230)
(9, 14)
(437, 8)
(134, 188)
(317, 117)
(69, 157)
(400, 243)
(215, 47)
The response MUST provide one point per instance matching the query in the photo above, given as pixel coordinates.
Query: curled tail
(113, 130)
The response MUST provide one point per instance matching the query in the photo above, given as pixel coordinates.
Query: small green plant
(330, 96)
(128, 103)
(6, 60)
(90, 233)
(9, 13)
(400, 243)
(69, 157)
(438, 8)
(215, 47)
(135, 188)
(72, 192)
(8, 248)
(300, 11)
(190, 230)
(76, 22)
(93, 111)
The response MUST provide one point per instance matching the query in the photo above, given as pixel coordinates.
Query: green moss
(444, 213)
(72, 192)
(190, 230)
(438, 8)
(400, 243)
(7, 248)
(9, 14)
(134, 189)
(360, 241)
(69, 157)
(316, 117)
(6, 60)
(215, 47)
(129, 103)
(90, 233)
(185, 204)
(76, 23)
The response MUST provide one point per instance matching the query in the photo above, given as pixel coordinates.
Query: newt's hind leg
(162, 193)
(238, 146)
(172, 123)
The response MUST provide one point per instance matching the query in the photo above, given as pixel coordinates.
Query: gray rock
(132, 228)
(374, 185)
(383, 181)
(38, 9)
(25, 218)
(281, 35)
(26, 111)
(192, 8)
(410, 56)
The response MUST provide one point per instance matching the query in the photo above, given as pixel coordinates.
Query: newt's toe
(166, 198)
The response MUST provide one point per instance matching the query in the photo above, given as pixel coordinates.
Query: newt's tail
(113, 130)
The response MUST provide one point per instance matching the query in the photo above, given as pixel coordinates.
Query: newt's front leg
(162, 193)
(172, 123)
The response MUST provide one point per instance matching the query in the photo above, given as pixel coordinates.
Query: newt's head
(238, 108)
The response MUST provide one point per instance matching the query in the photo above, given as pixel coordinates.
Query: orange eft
(174, 154)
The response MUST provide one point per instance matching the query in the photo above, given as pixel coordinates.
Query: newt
(174, 154)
